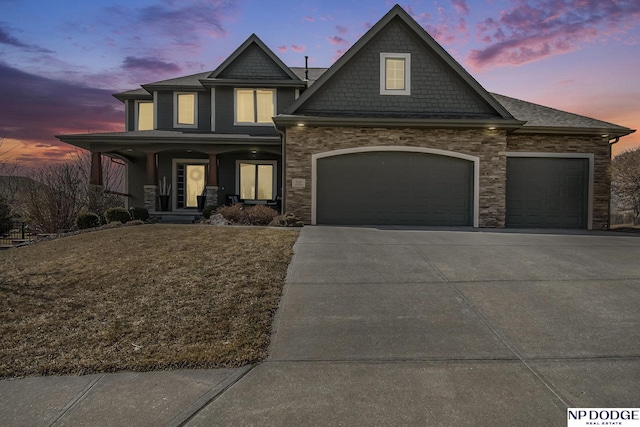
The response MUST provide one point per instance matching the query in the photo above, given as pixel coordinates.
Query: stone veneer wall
(489, 146)
(576, 144)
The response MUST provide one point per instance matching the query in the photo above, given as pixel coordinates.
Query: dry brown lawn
(141, 298)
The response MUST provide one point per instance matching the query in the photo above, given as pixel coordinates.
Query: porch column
(151, 183)
(96, 169)
(212, 178)
(212, 190)
(152, 169)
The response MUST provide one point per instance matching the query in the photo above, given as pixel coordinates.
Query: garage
(547, 192)
(394, 188)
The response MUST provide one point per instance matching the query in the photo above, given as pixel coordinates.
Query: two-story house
(395, 132)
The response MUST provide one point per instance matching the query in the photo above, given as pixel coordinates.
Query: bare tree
(54, 197)
(98, 200)
(625, 184)
(9, 176)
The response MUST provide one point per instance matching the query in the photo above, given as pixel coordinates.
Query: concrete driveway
(402, 327)
(392, 327)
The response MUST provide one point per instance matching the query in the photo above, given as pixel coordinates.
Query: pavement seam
(77, 399)
(543, 380)
(194, 409)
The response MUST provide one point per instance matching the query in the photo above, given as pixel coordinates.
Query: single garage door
(394, 188)
(547, 192)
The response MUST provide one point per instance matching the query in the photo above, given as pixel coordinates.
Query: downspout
(615, 141)
(283, 138)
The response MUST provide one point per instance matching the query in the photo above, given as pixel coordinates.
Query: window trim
(195, 110)
(383, 73)
(274, 181)
(255, 107)
(136, 119)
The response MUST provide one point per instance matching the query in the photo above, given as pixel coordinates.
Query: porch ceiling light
(301, 124)
(492, 128)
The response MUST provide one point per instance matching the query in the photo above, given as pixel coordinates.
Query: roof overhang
(296, 120)
(252, 83)
(139, 139)
(591, 131)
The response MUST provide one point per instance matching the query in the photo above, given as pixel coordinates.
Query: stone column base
(213, 196)
(151, 197)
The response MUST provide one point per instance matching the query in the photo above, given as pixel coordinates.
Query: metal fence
(14, 232)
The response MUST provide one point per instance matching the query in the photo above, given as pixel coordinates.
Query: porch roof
(86, 140)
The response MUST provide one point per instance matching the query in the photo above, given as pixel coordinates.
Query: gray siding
(435, 88)
(165, 111)
(254, 63)
(225, 105)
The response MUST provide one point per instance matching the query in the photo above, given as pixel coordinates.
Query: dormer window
(395, 74)
(185, 110)
(144, 115)
(255, 106)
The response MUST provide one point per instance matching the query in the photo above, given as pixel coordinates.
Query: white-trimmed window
(255, 106)
(144, 115)
(185, 111)
(256, 179)
(395, 74)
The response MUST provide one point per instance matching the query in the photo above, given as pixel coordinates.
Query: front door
(191, 180)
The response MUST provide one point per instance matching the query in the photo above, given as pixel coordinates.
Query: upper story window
(255, 106)
(185, 110)
(395, 74)
(144, 115)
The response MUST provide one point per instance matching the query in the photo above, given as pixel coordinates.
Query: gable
(253, 63)
(436, 89)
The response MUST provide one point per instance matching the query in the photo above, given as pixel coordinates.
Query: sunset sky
(61, 60)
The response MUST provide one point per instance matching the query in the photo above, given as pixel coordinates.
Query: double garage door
(415, 188)
(394, 188)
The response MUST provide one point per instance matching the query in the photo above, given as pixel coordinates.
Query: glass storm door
(195, 179)
(256, 181)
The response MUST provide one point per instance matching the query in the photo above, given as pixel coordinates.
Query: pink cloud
(527, 33)
(337, 40)
(282, 49)
(461, 6)
(341, 29)
(298, 49)
(309, 18)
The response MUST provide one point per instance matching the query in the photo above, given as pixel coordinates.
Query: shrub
(86, 220)
(207, 211)
(141, 214)
(259, 215)
(234, 213)
(247, 215)
(117, 214)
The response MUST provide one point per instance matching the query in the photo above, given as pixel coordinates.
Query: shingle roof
(192, 80)
(539, 116)
(314, 73)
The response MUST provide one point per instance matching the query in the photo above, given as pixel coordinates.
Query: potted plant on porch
(202, 198)
(165, 192)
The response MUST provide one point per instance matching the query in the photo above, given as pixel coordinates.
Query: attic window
(395, 74)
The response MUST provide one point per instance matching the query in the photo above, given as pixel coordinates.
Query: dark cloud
(8, 39)
(184, 22)
(149, 64)
(529, 32)
(35, 108)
